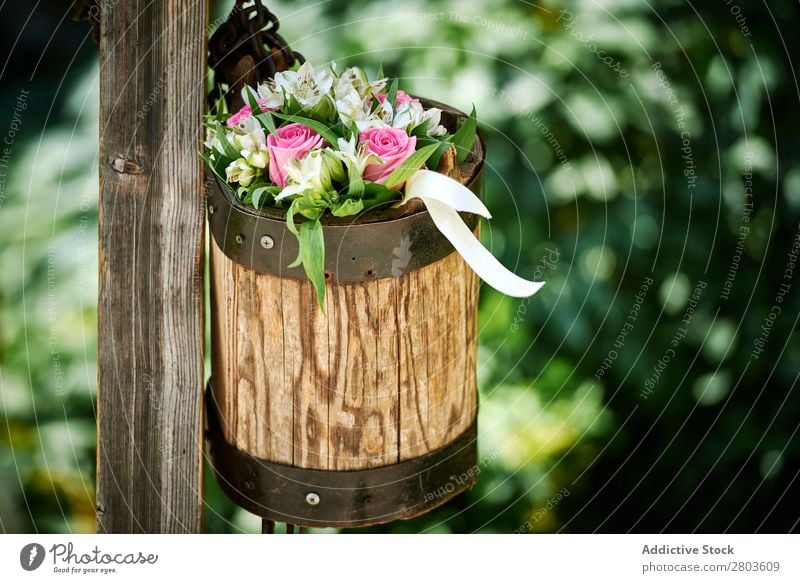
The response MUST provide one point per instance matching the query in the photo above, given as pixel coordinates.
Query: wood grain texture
(387, 375)
(150, 358)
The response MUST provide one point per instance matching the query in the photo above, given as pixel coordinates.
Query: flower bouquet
(315, 142)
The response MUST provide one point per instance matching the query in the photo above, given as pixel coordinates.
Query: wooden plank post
(150, 377)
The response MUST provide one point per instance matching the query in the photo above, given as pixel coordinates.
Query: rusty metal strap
(341, 499)
(354, 251)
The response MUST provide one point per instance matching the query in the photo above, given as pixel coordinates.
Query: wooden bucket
(360, 416)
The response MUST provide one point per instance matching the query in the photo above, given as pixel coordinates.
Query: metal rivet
(240, 239)
(312, 498)
(211, 209)
(267, 242)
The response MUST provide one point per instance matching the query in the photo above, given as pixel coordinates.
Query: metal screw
(240, 239)
(211, 209)
(312, 498)
(267, 242)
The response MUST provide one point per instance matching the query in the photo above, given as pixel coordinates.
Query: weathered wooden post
(152, 91)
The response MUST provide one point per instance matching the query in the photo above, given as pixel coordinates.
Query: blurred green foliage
(622, 138)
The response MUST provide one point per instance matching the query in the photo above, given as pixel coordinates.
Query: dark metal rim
(355, 249)
(341, 499)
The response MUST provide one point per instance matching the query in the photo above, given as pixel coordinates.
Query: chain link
(88, 11)
(247, 48)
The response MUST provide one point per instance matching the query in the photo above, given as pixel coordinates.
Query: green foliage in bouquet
(313, 142)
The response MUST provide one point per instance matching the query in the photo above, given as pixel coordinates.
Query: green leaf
(323, 111)
(214, 167)
(380, 71)
(291, 106)
(442, 145)
(348, 207)
(230, 151)
(258, 194)
(356, 187)
(465, 136)
(252, 101)
(422, 129)
(312, 256)
(319, 127)
(391, 96)
(267, 121)
(220, 106)
(377, 194)
(290, 217)
(409, 166)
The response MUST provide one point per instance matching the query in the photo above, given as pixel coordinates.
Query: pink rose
(244, 113)
(391, 145)
(402, 97)
(237, 117)
(292, 141)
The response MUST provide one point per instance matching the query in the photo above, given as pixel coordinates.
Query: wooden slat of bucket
(386, 376)
(363, 408)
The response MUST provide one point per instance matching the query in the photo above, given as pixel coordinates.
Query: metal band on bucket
(341, 499)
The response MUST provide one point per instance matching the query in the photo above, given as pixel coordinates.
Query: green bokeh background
(622, 138)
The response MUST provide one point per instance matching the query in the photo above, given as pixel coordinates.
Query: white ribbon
(444, 197)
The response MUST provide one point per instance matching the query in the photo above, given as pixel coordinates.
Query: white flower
(239, 171)
(315, 173)
(245, 125)
(434, 116)
(269, 96)
(374, 121)
(305, 85)
(352, 107)
(408, 115)
(411, 114)
(252, 145)
(212, 141)
(355, 156)
(380, 117)
(355, 78)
